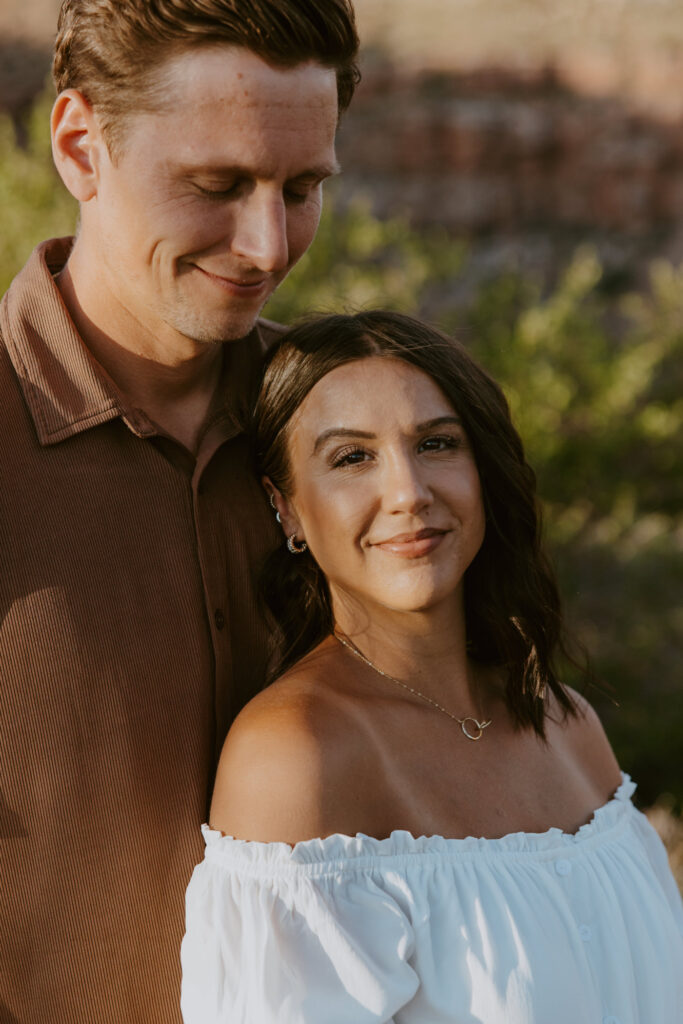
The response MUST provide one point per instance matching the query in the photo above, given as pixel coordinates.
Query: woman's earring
(296, 547)
(274, 508)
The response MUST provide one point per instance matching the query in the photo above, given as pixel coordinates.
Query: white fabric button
(586, 932)
(563, 867)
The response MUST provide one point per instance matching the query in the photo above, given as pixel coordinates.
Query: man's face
(212, 201)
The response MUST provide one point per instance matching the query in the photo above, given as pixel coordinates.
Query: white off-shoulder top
(546, 928)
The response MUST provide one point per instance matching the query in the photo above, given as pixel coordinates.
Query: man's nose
(404, 486)
(260, 237)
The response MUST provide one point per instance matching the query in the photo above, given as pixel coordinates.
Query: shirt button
(219, 618)
(563, 867)
(586, 932)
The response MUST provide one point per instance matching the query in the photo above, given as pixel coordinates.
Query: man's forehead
(235, 75)
(222, 107)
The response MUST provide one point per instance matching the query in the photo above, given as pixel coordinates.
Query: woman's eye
(349, 457)
(443, 442)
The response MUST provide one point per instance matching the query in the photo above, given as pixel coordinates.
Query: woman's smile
(412, 545)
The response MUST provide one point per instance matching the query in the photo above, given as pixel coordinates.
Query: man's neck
(174, 387)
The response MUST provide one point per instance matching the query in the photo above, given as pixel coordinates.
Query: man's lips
(412, 545)
(236, 285)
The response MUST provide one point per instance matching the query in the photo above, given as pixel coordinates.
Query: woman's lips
(412, 545)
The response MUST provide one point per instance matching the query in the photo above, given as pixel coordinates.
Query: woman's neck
(425, 650)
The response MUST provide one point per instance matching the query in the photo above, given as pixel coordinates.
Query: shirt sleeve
(272, 942)
(659, 862)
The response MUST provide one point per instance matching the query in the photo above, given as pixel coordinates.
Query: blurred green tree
(34, 203)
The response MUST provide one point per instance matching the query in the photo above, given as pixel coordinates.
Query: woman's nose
(405, 488)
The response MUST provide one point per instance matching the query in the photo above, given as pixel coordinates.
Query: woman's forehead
(369, 393)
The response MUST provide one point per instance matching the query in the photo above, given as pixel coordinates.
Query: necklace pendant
(479, 726)
(472, 734)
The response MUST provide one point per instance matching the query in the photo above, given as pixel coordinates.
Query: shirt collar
(65, 388)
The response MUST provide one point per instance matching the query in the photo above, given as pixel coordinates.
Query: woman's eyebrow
(335, 432)
(340, 432)
(440, 421)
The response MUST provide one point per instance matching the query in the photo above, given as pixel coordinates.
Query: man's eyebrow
(320, 171)
(315, 173)
(340, 432)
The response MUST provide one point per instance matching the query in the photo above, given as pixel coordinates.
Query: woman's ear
(283, 510)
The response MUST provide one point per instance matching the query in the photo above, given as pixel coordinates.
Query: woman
(417, 707)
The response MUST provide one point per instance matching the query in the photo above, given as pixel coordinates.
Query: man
(196, 136)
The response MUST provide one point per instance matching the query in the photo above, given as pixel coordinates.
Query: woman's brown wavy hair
(512, 604)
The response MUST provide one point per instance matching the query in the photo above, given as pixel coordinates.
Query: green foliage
(595, 389)
(599, 409)
(34, 203)
(360, 262)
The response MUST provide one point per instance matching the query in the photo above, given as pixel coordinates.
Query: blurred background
(513, 171)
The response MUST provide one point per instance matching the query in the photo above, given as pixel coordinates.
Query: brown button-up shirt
(129, 638)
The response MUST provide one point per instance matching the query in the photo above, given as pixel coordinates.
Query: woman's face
(385, 488)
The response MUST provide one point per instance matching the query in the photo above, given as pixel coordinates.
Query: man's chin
(219, 330)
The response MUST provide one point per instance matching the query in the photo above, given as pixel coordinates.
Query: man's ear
(283, 509)
(76, 143)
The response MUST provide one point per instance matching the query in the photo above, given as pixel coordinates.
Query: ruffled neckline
(400, 843)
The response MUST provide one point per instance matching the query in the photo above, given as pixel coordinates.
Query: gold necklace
(462, 722)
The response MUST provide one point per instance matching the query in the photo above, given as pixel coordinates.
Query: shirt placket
(215, 580)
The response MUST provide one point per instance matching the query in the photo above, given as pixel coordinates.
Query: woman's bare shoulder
(583, 737)
(287, 763)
